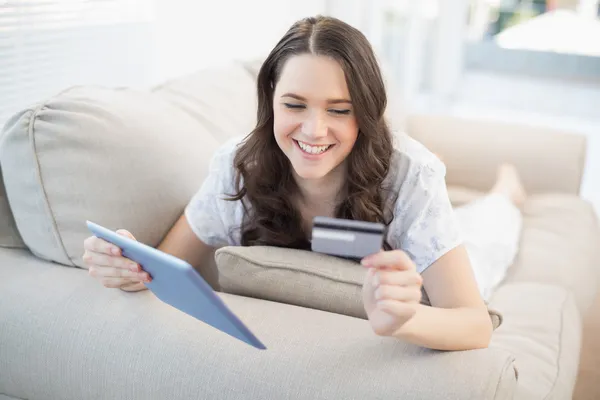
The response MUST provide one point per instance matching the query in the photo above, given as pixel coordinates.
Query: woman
(321, 146)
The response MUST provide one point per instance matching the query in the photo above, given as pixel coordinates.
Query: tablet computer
(178, 284)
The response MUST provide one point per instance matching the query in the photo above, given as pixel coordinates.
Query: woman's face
(314, 123)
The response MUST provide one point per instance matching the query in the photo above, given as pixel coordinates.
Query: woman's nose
(315, 126)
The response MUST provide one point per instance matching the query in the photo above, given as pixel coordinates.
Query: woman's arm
(183, 243)
(458, 318)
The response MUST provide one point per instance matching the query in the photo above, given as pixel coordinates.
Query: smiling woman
(321, 147)
(320, 135)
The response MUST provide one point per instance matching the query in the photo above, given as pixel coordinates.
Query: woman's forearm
(448, 328)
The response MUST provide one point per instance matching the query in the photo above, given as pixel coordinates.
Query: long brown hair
(263, 173)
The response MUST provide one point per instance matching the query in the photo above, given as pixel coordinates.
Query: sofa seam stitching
(560, 347)
(510, 361)
(272, 265)
(6, 394)
(30, 133)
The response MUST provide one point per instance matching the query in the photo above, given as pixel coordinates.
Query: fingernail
(115, 250)
(365, 262)
(133, 267)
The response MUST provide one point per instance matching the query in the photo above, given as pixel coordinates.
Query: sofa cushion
(298, 277)
(291, 276)
(542, 330)
(9, 234)
(221, 98)
(65, 336)
(559, 245)
(120, 158)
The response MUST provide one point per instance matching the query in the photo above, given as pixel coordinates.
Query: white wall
(191, 34)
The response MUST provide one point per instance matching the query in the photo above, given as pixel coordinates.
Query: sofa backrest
(118, 157)
(221, 98)
(9, 234)
(548, 160)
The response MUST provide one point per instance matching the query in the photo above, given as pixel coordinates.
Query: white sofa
(132, 159)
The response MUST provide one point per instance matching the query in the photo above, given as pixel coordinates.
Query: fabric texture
(542, 330)
(120, 158)
(559, 245)
(220, 98)
(9, 234)
(424, 225)
(83, 341)
(473, 148)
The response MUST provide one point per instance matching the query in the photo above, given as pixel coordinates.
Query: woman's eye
(340, 112)
(294, 106)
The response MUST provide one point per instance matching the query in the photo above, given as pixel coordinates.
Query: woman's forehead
(313, 77)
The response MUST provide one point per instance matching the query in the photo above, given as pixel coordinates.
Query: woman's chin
(310, 173)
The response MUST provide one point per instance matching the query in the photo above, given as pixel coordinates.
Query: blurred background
(528, 61)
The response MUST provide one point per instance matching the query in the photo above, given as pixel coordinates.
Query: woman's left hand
(391, 291)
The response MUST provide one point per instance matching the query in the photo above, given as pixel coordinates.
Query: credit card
(346, 238)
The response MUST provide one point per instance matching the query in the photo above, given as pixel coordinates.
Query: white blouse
(424, 223)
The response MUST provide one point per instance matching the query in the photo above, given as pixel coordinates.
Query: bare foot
(509, 184)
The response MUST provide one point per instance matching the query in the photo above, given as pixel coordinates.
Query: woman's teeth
(313, 149)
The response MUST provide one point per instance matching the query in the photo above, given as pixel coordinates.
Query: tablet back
(178, 284)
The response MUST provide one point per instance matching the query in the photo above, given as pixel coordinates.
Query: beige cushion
(542, 330)
(121, 158)
(222, 98)
(297, 277)
(292, 276)
(548, 160)
(9, 234)
(79, 340)
(559, 245)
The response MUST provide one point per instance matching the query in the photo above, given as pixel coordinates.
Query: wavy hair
(264, 174)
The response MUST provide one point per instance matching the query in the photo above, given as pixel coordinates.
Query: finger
(397, 308)
(111, 272)
(91, 258)
(394, 277)
(117, 282)
(125, 233)
(398, 293)
(395, 259)
(95, 244)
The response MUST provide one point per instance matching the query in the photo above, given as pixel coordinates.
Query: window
(49, 45)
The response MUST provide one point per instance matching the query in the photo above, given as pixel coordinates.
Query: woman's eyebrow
(330, 101)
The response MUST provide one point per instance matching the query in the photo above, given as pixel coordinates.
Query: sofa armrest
(542, 330)
(548, 160)
(148, 350)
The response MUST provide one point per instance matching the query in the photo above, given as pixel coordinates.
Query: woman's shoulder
(413, 162)
(224, 154)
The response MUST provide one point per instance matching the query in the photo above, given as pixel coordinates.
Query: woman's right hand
(107, 264)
